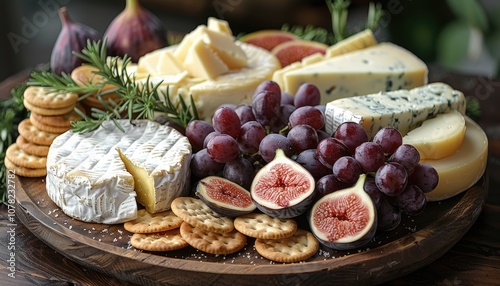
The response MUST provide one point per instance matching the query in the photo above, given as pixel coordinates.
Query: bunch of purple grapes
(243, 138)
(396, 181)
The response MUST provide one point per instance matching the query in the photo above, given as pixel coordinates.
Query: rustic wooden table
(474, 260)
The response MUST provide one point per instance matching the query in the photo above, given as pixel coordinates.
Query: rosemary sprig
(339, 11)
(136, 100)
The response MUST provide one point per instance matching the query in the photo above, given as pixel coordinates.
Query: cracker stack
(51, 114)
(191, 222)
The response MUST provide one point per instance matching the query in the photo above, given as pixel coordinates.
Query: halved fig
(283, 188)
(345, 219)
(224, 197)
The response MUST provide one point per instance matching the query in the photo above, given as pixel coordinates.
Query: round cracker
(212, 242)
(56, 120)
(48, 111)
(161, 241)
(298, 247)
(198, 214)
(45, 97)
(22, 171)
(22, 159)
(259, 225)
(35, 135)
(147, 222)
(31, 148)
(48, 128)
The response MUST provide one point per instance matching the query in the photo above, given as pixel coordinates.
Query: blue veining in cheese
(402, 109)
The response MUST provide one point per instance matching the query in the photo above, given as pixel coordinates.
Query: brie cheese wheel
(89, 181)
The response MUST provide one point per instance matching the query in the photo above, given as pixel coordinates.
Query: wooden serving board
(416, 242)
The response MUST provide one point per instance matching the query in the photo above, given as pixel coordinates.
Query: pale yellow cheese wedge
(159, 62)
(358, 41)
(219, 25)
(463, 169)
(225, 48)
(438, 137)
(201, 61)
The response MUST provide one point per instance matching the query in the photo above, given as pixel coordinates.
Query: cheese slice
(464, 168)
(201, 61)
(89, 181)
(225, 48)
(384, 67)
(438, 137)
(219, 25)
(358, 41)
(158, 63)
(402, 109)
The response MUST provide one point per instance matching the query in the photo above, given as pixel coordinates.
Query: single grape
(250, 135)
(208, 137)
(228, 105)
(239, 171)
(303, 137)
(388, 216)
(329, 150)
(370, 156)
(412, 200)
(285, 111)
(307, 95)
(226, 121)
(202, 165)
(309, 160)
(196, 131)
(266, 108)
(347, 169)
(307, 115)
(223, 148)
(389, 138)
(371, 189)
(271, 143)
(329, 184)
(425, 177)
(321, 108)
(406, 155)
(286, 98)
(322, 135)
(245, 113)
(391, 179)
(268, 86)
(351, 134)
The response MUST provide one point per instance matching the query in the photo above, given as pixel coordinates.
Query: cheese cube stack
(402, 109)
(89, 180)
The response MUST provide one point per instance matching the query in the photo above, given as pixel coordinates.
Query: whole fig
(135, 32)
(72, 38)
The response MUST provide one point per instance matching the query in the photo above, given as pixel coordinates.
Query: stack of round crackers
(190, 222)
(51, 114)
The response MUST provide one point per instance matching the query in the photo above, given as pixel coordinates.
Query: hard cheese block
(402, 109)
(464, 168)
(89, 181)
(383, 67)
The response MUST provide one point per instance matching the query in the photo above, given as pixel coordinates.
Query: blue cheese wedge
(402, 109)
(382, 67)
(101, 175)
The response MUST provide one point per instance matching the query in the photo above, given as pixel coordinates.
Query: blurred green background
(461, 35)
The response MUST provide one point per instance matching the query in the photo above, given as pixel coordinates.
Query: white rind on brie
(89, 181)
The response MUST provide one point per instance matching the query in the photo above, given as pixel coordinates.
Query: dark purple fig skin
(73, 37)
(135, 32)
(288, 212)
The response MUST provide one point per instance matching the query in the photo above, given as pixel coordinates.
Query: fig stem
(360, 183)
(64, 16)
(132, 6)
